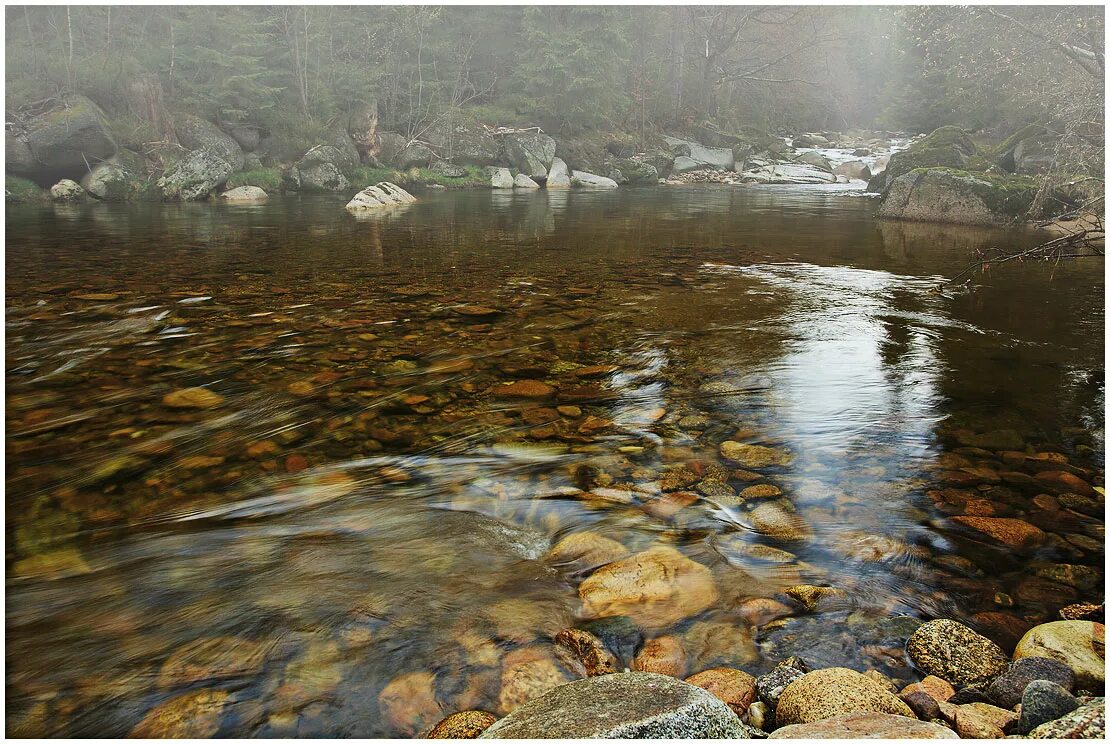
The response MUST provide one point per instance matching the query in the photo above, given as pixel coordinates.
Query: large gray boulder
(816, 159)
(64, 139)
(500, 178)
(466, 141)
(530, 152)
(787, 173)
(524, 182)
(384, 194)
(1034, 155)
(18, 157)
(117, 179)
(66, 191)
(856, 170)
(957, 197)
(348, 157)
(637, 170)
(591, 181)
(720, 158)
(632, 705)
(248, 136)
(387, 145)
(110, 182)
(320, 170)
(558, 176)
(195, 176)
(414, 155)
(195, 133)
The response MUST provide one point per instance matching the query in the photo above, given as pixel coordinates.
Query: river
(349, 532)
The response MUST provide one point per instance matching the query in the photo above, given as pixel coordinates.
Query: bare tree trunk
(69, 56)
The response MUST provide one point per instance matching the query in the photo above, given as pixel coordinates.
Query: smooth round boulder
(736, 688)
(662, 655)
(1081, 644)
(244, 194)
(1044, 701)
(656, 588)
(194, 715)
(66, 191)
(865, 726)
(835, 691)
(631, 705)
(1006, 690)
(955, 653)
(1088, 721)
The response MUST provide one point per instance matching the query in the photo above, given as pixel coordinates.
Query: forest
(298, 70)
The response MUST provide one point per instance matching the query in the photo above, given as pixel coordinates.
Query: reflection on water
(351, 532)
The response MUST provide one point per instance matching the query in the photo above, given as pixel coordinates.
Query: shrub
(267, 179)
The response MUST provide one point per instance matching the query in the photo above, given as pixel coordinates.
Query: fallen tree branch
(1085, 242)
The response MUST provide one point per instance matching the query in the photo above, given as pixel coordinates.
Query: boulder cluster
(969, 688)
(945, 177)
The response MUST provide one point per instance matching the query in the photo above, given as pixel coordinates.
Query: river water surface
(348, 532)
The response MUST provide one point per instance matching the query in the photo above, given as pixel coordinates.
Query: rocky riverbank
(69, 145)
(1052, 689)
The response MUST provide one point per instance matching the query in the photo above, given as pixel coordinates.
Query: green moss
(946, 147)
(1008, 144)
(19, 190)
(947, 136)
(1004, 195)
(267, 179)
(363, 176)
(475, 176)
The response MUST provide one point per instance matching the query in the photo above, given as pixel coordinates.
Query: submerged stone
(656, 588)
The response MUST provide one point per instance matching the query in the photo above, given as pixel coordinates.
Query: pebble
(1013, 533)
(408, 703)
(662, 655)
(770, 686)
(195, 397)
(1007, 689)
(812, 597)
(656, 588)
(753, 456)
(734, 687)
(1044, 701)
(835, 691)
(584, 551)
(527, 673)
(468, 724)
(194, 715)
(586, 651)
(933, 686)
(955, 653)
(922, 704)
(524, 389)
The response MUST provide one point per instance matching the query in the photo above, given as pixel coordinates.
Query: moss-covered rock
(947, 147)
(18, 190)
(958, 197)
(65, 138)
(195, 133)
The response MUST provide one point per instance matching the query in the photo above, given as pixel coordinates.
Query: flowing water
(352, 536)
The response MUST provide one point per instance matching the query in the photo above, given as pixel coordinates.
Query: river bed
(314, 465)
